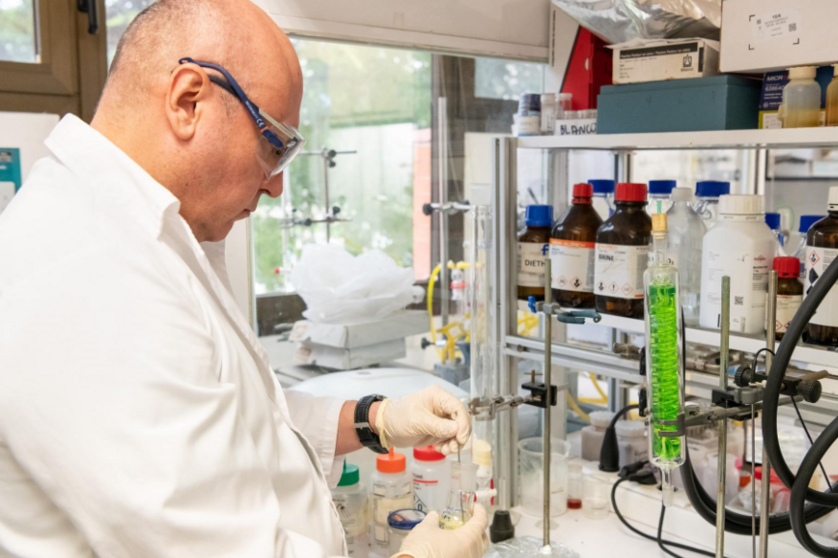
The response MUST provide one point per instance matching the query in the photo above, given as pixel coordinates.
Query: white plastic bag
(339, 288)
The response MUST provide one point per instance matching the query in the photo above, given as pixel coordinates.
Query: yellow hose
(576, 408)
(599, 389)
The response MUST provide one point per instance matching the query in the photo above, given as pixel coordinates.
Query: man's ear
(188, 88)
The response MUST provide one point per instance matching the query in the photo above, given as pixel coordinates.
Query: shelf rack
(513, 347)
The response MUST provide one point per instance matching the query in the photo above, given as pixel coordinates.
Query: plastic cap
(630, 192)
(603, 186)
(601, 419)
(803, 72)
(405, 520)
(481, 452)
(741, 204)
(806, 222)
(630, 428)
(351, 475)
(787, 267)
(711, 189)
(427, 453)
(662, 186)
(529, 102)
(548, 99)
(659, 222)
(583, 191)
(502, 528)
(833, 198)
(392, 462)
(773, 221)
(682, 195)
(539, 215)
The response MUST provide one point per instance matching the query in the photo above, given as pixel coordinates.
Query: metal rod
(326, 199)
(442, 130)
(753, 483)
(724, 361)
(548, 368)
(765, 485)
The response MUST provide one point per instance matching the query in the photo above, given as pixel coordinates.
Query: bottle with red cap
(622, 254)
(789, 292)
(573, 251)
(431, 473)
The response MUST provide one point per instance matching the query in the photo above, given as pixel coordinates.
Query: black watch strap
(367, 437)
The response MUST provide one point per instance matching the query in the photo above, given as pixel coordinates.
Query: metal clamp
(563, 315)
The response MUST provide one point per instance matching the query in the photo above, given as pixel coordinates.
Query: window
(18, 31)
(120, 14)
(372, 106)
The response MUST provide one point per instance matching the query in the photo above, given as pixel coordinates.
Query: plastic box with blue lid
(690, 105)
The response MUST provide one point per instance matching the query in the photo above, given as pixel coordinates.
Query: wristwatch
(365, 434)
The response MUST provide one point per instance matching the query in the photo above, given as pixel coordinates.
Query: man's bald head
(168, 116)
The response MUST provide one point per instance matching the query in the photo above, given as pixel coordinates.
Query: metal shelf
(723, 139)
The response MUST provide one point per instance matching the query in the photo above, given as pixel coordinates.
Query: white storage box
(766, 35)
(644, 61)
(349, 359)
(347, 336)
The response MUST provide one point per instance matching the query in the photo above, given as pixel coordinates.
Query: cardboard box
(645, 61)
(767, 35)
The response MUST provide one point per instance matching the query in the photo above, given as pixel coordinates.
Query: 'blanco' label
(618, 270)
(817, 260)
(573, 265)
(531, 263)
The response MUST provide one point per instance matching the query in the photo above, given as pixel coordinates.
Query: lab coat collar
(114, 175)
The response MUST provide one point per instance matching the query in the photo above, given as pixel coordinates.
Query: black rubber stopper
(501, 528)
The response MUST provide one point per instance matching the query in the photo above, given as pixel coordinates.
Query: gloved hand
(431, 417)
(427, 540)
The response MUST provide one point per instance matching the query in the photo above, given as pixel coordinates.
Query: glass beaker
(595, 492)
(461, 496)
(531, 475)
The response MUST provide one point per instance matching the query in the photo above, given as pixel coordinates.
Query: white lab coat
(139, 416)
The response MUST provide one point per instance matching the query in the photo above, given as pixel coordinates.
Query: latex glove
(431, 417)
(427, 540)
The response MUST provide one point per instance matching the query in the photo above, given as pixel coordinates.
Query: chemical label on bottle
(357, 545)
(424, 491)
(787, 306)
(531, 258)
(619, 270)
(748, 288)
(390, 498)
(817, 260)
(573, 265)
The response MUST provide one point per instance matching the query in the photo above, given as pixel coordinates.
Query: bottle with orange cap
(572, 251)
(391, 489)
(622, 254)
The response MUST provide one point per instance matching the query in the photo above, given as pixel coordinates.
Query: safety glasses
(279, 143)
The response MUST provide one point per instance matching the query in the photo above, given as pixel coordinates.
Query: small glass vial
(533, 250)
(548, 113)
(832, 100)
(789, 292)
(401, 523)
(564, 103)
(574, 485)
(801, 106)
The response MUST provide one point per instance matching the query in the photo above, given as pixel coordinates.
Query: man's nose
(273, 186)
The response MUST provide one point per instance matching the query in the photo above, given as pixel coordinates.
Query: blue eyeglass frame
(233, 87)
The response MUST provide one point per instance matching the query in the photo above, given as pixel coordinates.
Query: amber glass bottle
(821, 249)
(789, 293)
(573, 251)
(533, 247)
(622, 254)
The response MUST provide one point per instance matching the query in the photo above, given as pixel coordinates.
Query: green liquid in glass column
(663, 332)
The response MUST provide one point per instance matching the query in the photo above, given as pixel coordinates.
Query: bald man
(139, 416)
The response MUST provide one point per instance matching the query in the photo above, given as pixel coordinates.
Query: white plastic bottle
(740, 246)
(391, 489)
(631, 441)
(684, 246)
(603, 200)
(707, 194)
(431, 475)
(660, 191)
(801, 106)
(352, 502)
(593, 434)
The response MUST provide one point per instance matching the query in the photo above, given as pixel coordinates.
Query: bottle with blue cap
(603, 200)
(685, 244)
(660, 191)
(806, 222)
(774, 220)
(707, 194)
(533, 250)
